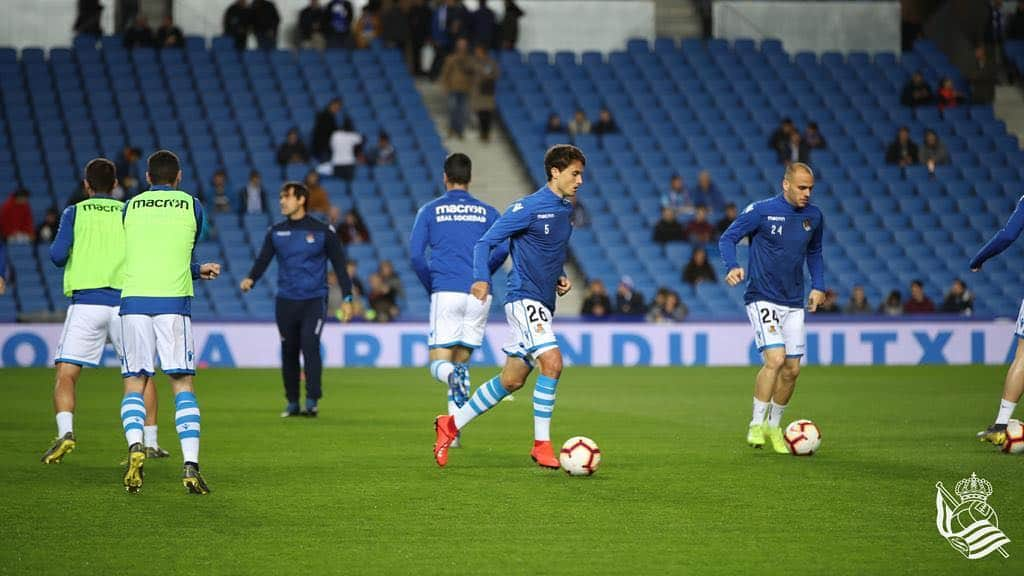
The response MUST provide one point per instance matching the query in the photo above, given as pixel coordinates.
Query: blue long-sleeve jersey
(303, 248)
(781, 238)
(451, 226)
(1002, 240)
(537, 228)
(60, 251)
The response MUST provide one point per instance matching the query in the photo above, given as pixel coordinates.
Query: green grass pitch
(357, 491)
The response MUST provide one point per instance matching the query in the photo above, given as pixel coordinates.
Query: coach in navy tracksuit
(303, 246)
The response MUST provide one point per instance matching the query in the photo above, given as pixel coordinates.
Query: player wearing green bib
(89, 245)
(161, 228)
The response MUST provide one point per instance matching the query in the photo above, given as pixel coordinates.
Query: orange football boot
(444, 426)
(543, 455)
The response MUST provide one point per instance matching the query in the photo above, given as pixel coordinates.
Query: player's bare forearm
(479, 290)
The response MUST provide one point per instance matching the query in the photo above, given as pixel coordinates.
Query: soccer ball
(1014, 443)
(803, 437)
(580, 456)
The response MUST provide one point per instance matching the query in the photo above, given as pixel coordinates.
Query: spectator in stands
(948, 96)
(813, 137)
(902, 151)
(345, 145)
(129, 175)
(383, 301)
(237, 21)
(88, 21)
(893, 305)
(292, 150)
(982, 76)
(698, 269)
(457, 78)
(727, 219)
(677, 198)
(510, 25)
(995, 33)
(335, 299)
(252, 199)
(352, 230)
(484, 89)
(830, 305)
(447, 26)
(324, 126)
(858, 303)
(420, 17)
(919, 302)
(312, 28)
(605, 123)
(779, 139)
(554, 125)
(916, 92)
(699, 230)
(1015, 27)
(169, 35)
(383, 154)
(579, 124)
(217, 195)
(317, 203)
(668, 229)
(706, 193)
(368, 25)
(667, 308)
(597, 304)
(932, 152)
(395, 30)
(340, 16)
(139, 34)
(628, 301)
(386, 271)
(959, 299)
(483, 26)
(265, 21)
(352, 268)
(48, 228)
(795, 150)
(16, 225)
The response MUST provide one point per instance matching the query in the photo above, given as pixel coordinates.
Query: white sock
(543, 406)
(133, 417)
(775, 416)
(1005, 411)
(149, 433)
(452, 407)
(760, 410)
(441, 369)
(64, 423)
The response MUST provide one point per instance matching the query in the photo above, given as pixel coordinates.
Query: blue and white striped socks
(186, 420)
(543, 406)
(440, 370)
(133, 417)
(485, 397)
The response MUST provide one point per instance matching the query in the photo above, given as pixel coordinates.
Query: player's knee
(791, 372)
(511, 382)
(774, 362)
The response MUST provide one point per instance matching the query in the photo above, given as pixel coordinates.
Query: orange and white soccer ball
(580, 456)
(1014, 443)
(803, 437)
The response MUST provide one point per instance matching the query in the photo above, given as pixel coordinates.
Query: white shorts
(87, 328)
(457, 319)
(1020, 321)
(776, 326)
(530, 334)
(168, 336)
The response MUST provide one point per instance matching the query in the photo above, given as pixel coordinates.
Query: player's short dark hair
(917, 283)
(458, 168)
(560, 156)
(163, 167)
(101, 174)
(297, 189)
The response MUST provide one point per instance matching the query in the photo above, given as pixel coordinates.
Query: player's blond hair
(792, 169)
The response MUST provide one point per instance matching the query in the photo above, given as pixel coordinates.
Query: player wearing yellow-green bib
(161, 228)
(89, 245)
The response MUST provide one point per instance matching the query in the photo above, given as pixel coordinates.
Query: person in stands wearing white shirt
(344, 143)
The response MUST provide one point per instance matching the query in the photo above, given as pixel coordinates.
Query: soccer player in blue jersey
(784, 231)
(303, 245)
(537, 228)
(1013, 386)
(450, 227)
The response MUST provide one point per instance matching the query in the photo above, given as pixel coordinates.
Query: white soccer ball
(580, 456)
(1014, 443)
(803, 437)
